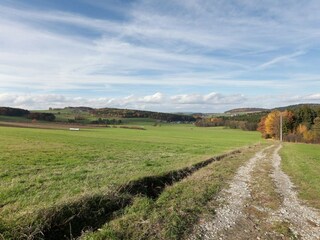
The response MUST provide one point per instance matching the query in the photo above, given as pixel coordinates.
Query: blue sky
(191, 55)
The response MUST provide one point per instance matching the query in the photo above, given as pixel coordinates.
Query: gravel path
(232, 202)
(233, 219)
(305, 221)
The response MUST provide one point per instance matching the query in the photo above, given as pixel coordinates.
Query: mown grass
(302, 163)
(178, 208)
(41, 168)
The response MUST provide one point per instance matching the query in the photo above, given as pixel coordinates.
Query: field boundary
(50, 126)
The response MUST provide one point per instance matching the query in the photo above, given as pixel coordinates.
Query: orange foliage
(307, 135)
(216, 120)
(301, 129)
(262, 127)
(272, 124)
(269, 126)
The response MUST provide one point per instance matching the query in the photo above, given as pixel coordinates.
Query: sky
(172, 56)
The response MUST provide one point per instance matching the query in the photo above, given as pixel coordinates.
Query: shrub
(42, 116)
(16, 112)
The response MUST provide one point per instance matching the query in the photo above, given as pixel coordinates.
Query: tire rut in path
(233, 200)
(305, 221)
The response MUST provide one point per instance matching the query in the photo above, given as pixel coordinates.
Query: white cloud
(211, 102)
(211, 98)
(313, 97)
(156, 98)
(44, 101)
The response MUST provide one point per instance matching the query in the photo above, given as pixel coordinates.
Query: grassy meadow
(302, 163)
(62, 115)
(40, 168)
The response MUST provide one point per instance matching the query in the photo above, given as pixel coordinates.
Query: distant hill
(314, 106)
(14, 112)
(90, 115)
(23, 113)
(245, 110)
(255, 114)
(130, 113)
(73, 109)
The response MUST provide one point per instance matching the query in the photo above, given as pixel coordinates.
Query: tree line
(247, 122)
(107, 121)
(127, 113)
(299, 125)
(42, 116)
(18, 112)
(13, 112)
(233, 124)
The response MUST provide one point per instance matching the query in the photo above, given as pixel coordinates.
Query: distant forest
(248, 122)
(13, 112)
(127, 113)
(99, 113)
(300, 124)
(18, 112)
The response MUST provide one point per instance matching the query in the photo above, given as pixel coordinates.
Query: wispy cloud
(211, 98)
(234, 47)
(280, 59)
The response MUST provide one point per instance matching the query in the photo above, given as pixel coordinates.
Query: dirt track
(260, 203)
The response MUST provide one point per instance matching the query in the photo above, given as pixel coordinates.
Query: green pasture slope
(41, 168)
(14, 119)
(63, 115)
(302, 163)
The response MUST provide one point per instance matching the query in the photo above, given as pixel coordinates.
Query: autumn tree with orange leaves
(295, 129)
(272, 124)
(269, 126)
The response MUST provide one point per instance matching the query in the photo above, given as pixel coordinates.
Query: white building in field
(74, 129)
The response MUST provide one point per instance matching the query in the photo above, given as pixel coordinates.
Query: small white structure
(74, 129)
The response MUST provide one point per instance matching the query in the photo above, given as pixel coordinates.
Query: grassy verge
(177, 209)
(263, 188)
(302, 163)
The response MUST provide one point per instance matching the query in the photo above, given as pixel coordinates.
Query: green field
(302, 163)
(173, 215)
(14, 119)
(42, 168)
(63, 115)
